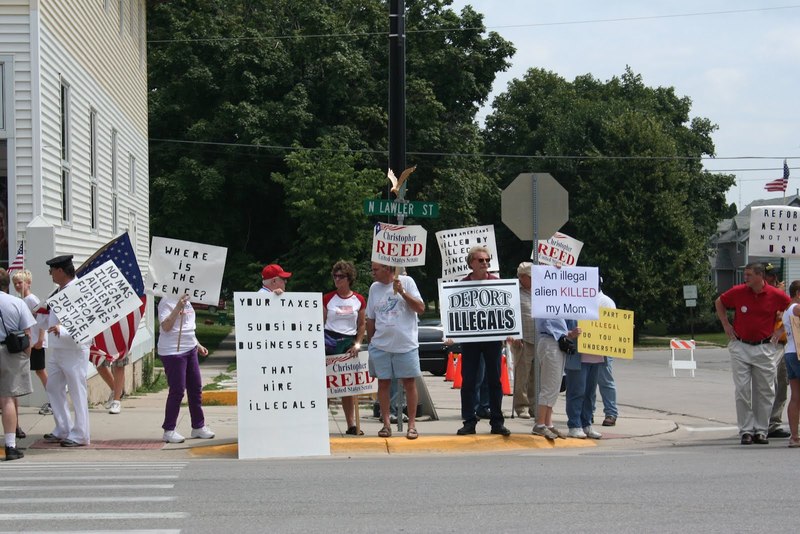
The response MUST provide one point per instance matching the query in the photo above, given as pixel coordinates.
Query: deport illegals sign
(399, 246)
(564, 293)
(485, 310)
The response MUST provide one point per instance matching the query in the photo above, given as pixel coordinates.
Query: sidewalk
(137, 430)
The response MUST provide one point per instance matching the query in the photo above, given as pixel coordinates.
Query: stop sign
(551, 204)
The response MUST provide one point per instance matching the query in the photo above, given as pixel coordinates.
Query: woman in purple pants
(178, 349)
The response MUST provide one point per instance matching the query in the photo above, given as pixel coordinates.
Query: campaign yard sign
(399, 246)
(480, 310)
(455, 244)
(349, 375)
(610, 335)
(560, 249)
(94, 302)
(181, 267)
(564, 293)
(775, 231)
(280, 362)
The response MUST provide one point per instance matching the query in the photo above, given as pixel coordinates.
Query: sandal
(385, 432)
(412, 433)
(354, 431)
(794, 443)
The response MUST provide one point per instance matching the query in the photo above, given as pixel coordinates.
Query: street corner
(221, 397)
(441, 444)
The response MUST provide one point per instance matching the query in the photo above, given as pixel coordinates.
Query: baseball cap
(272, 270)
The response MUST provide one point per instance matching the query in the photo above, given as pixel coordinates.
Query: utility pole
(397, 89)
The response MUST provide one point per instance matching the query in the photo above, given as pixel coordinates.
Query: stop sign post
(534, 204)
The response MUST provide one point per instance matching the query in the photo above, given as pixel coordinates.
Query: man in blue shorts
(392, 308)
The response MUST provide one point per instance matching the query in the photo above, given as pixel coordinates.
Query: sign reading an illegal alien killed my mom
(485, 310)
(280, 363)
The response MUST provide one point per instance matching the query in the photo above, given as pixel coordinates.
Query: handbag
(16, 340)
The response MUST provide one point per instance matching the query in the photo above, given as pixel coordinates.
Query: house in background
(73, 136)
(730, 247)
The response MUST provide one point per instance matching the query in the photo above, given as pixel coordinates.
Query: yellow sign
(611, 335)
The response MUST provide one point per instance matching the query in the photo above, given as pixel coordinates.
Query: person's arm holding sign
(169, 323)
(413, 302)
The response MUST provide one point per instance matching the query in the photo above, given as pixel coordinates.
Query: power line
(475, 28)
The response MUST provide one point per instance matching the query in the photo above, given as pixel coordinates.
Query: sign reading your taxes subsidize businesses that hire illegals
(564, 293)
(480, 310)
(455, 244)
(774, 231)
(94, 302)
(349, 375)
(399, 246)
(610, 335)
(178, 267)
(280, 363)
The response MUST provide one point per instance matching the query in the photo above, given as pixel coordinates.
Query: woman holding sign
(178, 348)
(343, 312)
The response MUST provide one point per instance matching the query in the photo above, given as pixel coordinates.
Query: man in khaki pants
(523, 350)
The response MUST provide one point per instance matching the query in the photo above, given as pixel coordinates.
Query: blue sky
(738, 61)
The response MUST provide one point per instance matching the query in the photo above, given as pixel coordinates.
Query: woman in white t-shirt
(178, 348)
(345, 324)
(790, 356)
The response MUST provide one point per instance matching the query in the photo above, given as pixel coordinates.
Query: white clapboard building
(73, 133)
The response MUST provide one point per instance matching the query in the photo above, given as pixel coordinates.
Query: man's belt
(760, 342)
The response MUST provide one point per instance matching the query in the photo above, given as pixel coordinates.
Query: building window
(93, 169)
(66, 184)
(132, 228)
(132, 173)
(114, 183)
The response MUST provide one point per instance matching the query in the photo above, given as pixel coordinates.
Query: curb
(220, 397)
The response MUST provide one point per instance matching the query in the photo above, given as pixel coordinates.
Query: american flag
(114, 342)
(781, 183)
(19, 262)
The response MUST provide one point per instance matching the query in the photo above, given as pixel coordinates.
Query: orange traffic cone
(457, 377)
(504, 376)
(450, 373)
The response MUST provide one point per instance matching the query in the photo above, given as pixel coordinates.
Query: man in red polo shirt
(754, 349)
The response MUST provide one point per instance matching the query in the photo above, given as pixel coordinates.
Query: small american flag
(19, 262)
(114, 342)
(781, 183)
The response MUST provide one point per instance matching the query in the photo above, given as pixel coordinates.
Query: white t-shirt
(787, 326)
(16, 315)
(395, 321)
(342, 316)
(34, 304)
(168, 339)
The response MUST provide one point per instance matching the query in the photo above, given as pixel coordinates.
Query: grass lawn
(717, 339)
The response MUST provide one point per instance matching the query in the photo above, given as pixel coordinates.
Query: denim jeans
(608, 389)
(580, 385)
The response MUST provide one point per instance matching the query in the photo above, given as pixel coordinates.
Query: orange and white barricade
(682, 344)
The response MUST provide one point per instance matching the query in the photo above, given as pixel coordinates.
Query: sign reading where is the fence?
(181, 267)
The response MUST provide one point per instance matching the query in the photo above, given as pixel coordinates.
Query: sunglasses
(339, 276)
(483, 260)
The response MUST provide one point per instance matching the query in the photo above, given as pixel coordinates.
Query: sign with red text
(94, 302)
(564, 293)
(399, 246)
(280, 364)
(560, 249)
(348, 375)
(774, 231)
(455, 244)
(480, 310)
(181, 267)
(610, 335)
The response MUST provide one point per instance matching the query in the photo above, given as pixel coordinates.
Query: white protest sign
(94, 302)
(564, 293)
(280, 363)
(774, 231)
(455, 244)
(178, 267)
(560, 249)
(399, 246)
(485, 310)
(348, 375)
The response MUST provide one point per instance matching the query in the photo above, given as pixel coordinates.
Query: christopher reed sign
(280, 362)
(182, 267)
(94, 302)
(560, 249)
(349, 375)
(775, 231)
(485, 310)
(399, 246)
(564, 293)
(455, 244)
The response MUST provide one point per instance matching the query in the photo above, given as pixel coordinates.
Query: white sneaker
(46, 409)
(592, 433)
(116, 407)
(576, 433)
(107, 404)
(203, 433)
(172, 436)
